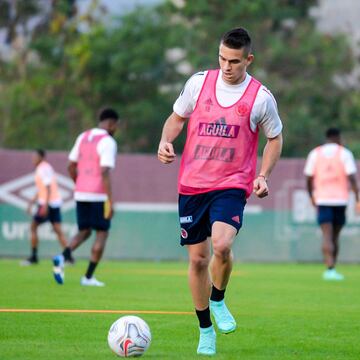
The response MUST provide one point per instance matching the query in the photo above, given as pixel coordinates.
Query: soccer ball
(129, 336)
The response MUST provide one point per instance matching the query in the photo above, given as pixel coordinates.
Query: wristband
(262, 176)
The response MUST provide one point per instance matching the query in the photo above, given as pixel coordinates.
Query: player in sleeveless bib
(90, 162)
(226, 107)
(48, 201)
(329, 170)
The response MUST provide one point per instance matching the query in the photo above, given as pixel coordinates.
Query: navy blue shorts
(90, 215)
(54, 216)
(198, 212)
(331, 214)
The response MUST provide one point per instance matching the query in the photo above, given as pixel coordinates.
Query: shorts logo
(243, 109)
(203, 152)
(184, 233)
(236, 219)
(186, 219)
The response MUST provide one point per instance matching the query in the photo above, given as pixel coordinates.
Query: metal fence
(279, 228)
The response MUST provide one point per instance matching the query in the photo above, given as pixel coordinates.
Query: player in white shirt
(91, 160)
(264, 112)
(106, 149)
(225, 108)
(329, 169)
(48, 201)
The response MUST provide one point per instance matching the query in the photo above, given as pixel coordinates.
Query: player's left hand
(108, 210)
(261, 188)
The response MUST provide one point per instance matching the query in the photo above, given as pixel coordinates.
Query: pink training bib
(221, 149)
(89, 177)
(330, 178)
(54, 195)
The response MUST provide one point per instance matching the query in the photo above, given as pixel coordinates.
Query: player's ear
(250, 59)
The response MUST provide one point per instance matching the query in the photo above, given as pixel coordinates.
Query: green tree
(295, 61)
(124, 63)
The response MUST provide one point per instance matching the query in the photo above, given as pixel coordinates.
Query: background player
(329, 169)
(91, 160)
(48, 201)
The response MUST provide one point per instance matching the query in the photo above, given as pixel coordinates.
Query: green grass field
(284, 311)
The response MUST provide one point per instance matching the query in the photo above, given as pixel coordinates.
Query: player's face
(233, 64)
(113, 125)
(36, 159)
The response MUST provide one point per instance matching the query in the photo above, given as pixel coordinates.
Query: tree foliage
(66, 75)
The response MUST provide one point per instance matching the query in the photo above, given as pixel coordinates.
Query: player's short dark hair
(332, 132)
(41, 152)
(108, 114)
(238, 38)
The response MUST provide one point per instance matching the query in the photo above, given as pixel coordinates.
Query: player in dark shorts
(90, 162)
(48, 202)
(225, 107)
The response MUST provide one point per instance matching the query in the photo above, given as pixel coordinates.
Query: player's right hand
(357, 207)
(313, 202)
(166, 153)
(43, 210)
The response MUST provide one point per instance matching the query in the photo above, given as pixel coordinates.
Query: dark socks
(216, 294)
(67, 253)
(34, 253)
(91, 269)
(204, 317)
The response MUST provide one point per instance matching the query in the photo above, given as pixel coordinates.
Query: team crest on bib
(243, 109)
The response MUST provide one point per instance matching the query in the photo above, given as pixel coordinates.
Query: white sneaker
(332, 274)
(28, 262)
(91, 282)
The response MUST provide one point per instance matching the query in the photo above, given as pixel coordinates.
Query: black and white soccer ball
(129, 336)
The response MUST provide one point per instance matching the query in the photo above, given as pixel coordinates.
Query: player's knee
(97, 249)
(58, 231)
(199, 262)
(33, 227)
(85, 233)
(326, 247)
(222, 250)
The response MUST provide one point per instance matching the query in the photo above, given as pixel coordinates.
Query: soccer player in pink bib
(48, 201)
(329, 170)
(91, 160)
(226, 107)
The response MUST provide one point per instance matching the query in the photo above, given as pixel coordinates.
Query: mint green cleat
(332, 275)
(207, 341)
(223, 318)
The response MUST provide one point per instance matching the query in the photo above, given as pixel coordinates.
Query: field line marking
(79, 311)
(151, 272)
